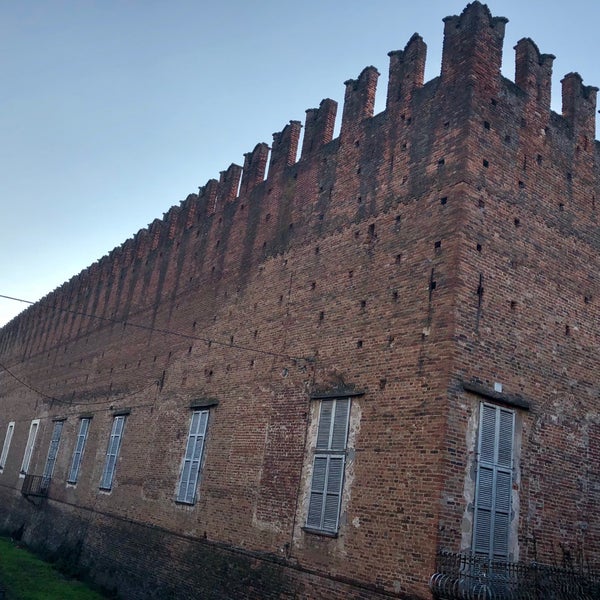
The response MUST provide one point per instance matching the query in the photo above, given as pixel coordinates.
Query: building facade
(372, 374)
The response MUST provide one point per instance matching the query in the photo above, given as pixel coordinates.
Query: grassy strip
(26, 577)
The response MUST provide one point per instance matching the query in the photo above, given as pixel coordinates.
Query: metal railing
(35, 485)
(472, 577)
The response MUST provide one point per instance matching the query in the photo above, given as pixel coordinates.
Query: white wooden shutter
(53, 449)
(112, 452)
(494, 482)
(192, 461)
(78, 452)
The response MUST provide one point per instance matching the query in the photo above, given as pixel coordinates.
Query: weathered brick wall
(530, 244)
(357, 266)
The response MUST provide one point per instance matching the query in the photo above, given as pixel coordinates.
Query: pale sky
(113, 111)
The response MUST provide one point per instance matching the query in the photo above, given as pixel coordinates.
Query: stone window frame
(346, 454)
(519, 405)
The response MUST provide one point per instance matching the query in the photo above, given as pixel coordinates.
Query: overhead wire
(70, 403)
(165, 331)
(142, 327)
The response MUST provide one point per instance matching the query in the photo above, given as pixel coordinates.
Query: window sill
(184, 503)
(321, 532)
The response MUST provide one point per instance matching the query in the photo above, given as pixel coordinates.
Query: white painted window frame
(33, 431)
(10, 429)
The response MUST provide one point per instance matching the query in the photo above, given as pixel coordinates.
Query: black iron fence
(35, 485)
(471, 577)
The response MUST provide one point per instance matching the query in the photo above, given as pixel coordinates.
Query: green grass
(26, 577)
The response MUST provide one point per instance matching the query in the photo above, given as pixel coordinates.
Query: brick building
(371, 374)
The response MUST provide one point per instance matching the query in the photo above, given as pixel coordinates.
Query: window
(9, 433)
(33, 429)
(84, 426)
(112, 452)
(53, 449)
(494, 482)
(328, 466)
(188, 482)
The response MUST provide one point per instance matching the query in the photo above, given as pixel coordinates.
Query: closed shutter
(192, 461)
(53, 449)
(328, 466)
(494, 482)
(78, 452)
(112, 453)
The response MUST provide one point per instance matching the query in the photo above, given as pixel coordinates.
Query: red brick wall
(356, 266)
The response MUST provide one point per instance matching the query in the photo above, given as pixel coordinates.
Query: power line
(59, 401)
(164, 331)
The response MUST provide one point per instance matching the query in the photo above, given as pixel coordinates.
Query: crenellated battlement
(318, 129)
(406, 73)
(533, 71)
(472, 50)
(359, 100)
(285, 147)
(330, 176)
(579, 105)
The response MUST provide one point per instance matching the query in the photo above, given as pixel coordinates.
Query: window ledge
(513, 400)
(200, 403)
(321, 532)
(184, 503)
(338, 393)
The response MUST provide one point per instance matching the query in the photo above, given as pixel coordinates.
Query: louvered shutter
(317, 492)
(494, 482)
(53, 449)
(112, 452)
(78, 452)
(324, 432)
(193, 458)
(335, 479)
(328, 466)
(339, 431)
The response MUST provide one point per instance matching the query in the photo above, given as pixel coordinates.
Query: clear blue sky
(112, 111)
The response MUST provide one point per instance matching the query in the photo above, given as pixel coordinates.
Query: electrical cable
(138, 326)
(59, 401)
(163, 331)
